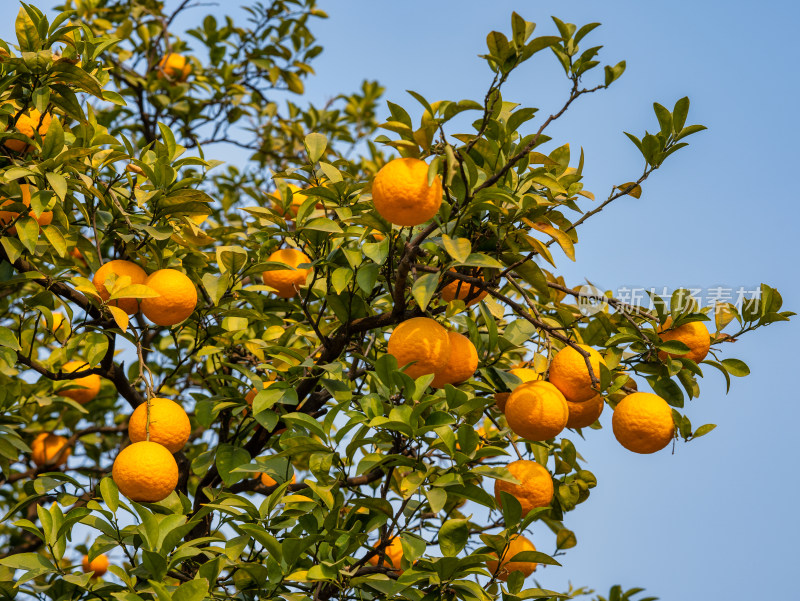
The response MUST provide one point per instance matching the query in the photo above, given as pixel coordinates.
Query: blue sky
(716, 519)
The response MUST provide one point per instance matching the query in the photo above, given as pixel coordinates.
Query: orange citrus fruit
(287, 282)
(526, 374)
(25, 125)
(119, 268)
(535, 488)
(536, 410)
(169, 424)
(174, 66)
(401, 194)
(177, 300)
(9, 217)
(85, 388)
(583, 415)
(461, 290)
(99, 565)
(693, 334)
(422, 342)
(268, 480)
(642, 423)
(462, 361)
(569, 374)
(145, 472)
(46, 446)
(518, 544)
(394, 554)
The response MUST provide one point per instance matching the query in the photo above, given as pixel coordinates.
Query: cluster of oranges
(538, 409)
(426, 347)
(145, 470)
(176, 300)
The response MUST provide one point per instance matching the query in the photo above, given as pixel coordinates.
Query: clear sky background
(715, 520)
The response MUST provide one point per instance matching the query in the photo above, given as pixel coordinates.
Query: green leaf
(27, 34)
(459, 248)
(736, 367)
(614, 73)
(453, 536)
(498, 44)
(53, 142)
(423, 289)
(12, 247)
(110, 493)
(679, 114)
(231, 259)
(315, 146)
(331, 172)
(28, 233)
(437, 498)
(56, 239)
(481, 260)
(168, 139)
(703, 430)
(229, 458)
(323, 224)
(689, 130)
(367, 276)
(68, 73)
(664, 118)
(194, 590)
(565, 539)
(377, 251)
(674, 347)
(27, 561)
(58, 183)
(8, 339)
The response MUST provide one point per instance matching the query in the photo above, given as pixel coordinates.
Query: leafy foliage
(128, 169)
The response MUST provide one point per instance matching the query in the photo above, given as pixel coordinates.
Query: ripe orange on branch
(537, 411)
(174, 66)
(519, 544)
(169, 424)
(27, 122)
(526, 374)
(9, 217)
(99, 565)
(459, 289)
(568, 373)
(423, 343)
(462, 361)
(287, 282)
(394, 554)
(268, 480)
(642, 423)
(83, 389)
(535, 488)
(401, 194)
(583, 415)
(120, 268)
(693, 334)
(145, 472)
(176, 301)
(46, 447)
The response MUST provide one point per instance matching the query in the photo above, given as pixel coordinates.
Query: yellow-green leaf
(120, 317)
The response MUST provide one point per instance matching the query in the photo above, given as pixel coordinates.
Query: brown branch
(574, 95)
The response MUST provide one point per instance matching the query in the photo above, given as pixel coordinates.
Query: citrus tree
(344, 367)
